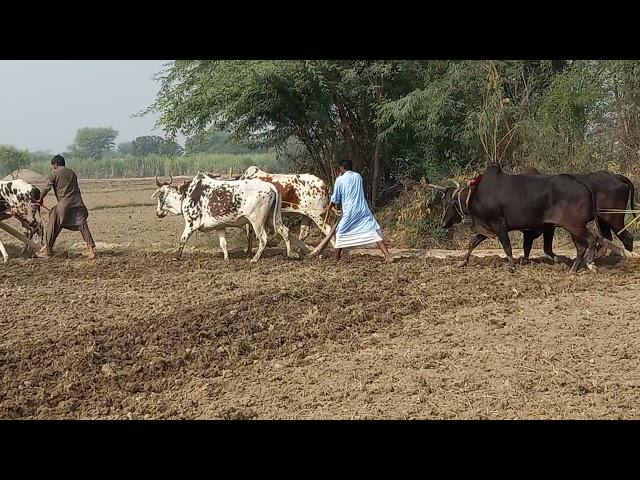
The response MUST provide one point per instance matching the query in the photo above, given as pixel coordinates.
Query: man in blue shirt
(357, 225)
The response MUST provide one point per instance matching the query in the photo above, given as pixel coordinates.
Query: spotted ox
(211, 204)
(17, 199)
(303, 195)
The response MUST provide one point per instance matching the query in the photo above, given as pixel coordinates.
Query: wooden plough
(635, 219)
(32, 245)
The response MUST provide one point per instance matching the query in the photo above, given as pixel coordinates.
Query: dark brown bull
(501, 203)
(612, 191)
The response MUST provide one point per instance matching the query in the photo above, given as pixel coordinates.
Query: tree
(93, 142)
(12, 160)
(212, 141)
(411, 118)
(154, 145)
(329, 107)
(125, 148)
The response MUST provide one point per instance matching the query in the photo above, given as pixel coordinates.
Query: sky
(44, 102)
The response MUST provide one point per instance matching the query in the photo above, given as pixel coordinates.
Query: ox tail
(594, 205)
(277, 207)
(632, 191)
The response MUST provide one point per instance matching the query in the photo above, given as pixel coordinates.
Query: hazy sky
(44, 102)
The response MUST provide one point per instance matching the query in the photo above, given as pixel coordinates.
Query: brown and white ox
(17, 199)
(303, 195)
(212, 204)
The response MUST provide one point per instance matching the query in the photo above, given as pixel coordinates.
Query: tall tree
(93, 142)
(329, 107)
(154, 145)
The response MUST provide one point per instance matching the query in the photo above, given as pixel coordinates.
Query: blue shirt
(356, 216)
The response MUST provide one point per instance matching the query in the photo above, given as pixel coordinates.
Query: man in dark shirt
(70, 212)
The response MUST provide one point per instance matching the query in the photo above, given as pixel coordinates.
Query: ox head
(452, 209)
(21, 200)
(252, 172)
(169, 198)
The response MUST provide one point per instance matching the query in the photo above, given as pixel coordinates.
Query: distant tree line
(396, 118)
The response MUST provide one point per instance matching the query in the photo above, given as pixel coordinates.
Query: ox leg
(249, 238)
(581, 247)
(617, 224)
(503, 236)
(263, 237)
(548, 244)
(25, 248)
(5, 256)
(627, 240)
(605, 229)
(528, 237)
(187, 232)
(305, 227)
(222, 240)
(283, 231)
(475, 241)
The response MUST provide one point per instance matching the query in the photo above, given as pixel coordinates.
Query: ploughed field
(136, 334)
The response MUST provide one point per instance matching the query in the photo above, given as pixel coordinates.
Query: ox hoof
(592, 267)
(511, 268)
(524, 261)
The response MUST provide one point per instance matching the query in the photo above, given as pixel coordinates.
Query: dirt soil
(136, 334)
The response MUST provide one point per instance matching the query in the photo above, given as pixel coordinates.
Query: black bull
(612, 191)
(501, 203)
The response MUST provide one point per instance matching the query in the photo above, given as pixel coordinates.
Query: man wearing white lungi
(357, 225)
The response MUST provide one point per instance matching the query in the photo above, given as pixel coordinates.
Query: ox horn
(325, 241)
(170, 180)
(158, 182)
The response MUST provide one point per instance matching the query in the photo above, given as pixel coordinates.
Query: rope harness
(457, 196)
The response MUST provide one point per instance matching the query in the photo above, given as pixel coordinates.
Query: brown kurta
(71, 210)
(70, 213)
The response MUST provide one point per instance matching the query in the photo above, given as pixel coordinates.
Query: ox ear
(155, 194)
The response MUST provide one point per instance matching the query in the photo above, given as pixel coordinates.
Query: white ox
(211, 204)
(303, 195)
(17, 199)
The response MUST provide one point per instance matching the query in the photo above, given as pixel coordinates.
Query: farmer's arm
(48, 186)
(336, 197)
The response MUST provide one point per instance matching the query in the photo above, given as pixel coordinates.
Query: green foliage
(210, 141)
(93, 142)
(124, 148)
(329, 107)
(12, 159)
(154, 145)
(131, 167)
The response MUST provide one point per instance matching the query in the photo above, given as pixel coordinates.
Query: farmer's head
(345, 166)
(57, 161)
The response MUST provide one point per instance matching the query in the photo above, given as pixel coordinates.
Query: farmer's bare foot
(91, 253)
(388, 259)
(44, 253)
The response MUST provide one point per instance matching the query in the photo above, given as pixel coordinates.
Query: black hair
(58, 160)
(346, 164)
